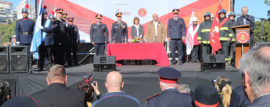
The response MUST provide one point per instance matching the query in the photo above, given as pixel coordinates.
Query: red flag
(214, 32)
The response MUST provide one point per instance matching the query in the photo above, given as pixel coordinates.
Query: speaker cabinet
(213, 62)
(19, 61)
(104, 63)
(4, 59)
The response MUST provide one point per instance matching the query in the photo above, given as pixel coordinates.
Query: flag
(189, 41)
(37, 37)
(214, 32)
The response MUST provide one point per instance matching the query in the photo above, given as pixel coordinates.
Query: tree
(258, 30)
(7, 31)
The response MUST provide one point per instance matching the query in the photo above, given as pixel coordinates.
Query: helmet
(194, 19)
(231, 14)
(24, 10)
(51, 17)
(222, 11)
(44, 11)
(207, 14)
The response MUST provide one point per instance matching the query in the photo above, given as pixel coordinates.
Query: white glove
(40, 27)
(17, 42)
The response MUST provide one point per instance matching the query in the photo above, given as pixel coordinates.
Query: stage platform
(141, 81)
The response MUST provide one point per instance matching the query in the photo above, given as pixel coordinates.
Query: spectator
(223, 86)
(4, 91)
(255, 70)
(206, 96)
(114, 96)
(57, 94)
(184, 88)
(239, 98)
(169, 97)
(89, 90)
(21, 101)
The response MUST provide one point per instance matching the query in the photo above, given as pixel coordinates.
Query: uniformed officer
(42, 49)
(99, 35)
(119, 32)
(204, 34)
(232, 23)
(73, 41)
(60, 38)
(224, 35)
(176, 33)
(170, 96)
(24, 31)
(49, 41)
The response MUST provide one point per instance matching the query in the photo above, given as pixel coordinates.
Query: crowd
(254, 91)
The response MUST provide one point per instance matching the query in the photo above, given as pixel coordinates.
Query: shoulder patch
(152, 96)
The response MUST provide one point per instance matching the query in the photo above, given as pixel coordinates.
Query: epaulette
(152, 96)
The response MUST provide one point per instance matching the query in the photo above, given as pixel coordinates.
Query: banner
(84, 11)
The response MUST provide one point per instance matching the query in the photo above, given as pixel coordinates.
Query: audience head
(184, 88)
(21, 101)
(206, 96)
(244, 10)
(88, 90)
(114, 82)
(155, 17)
(223, 86)
(4, 91)
(255, 70)
(168, 77)
(57, 74)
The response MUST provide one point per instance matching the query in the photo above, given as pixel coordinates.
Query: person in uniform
(247, 19)
(204, 35)
(232, 23)
(170, 96)
(99, 35)
(42, 49)
(176, 33)
(119, 32)
(224, 35)
(24, 32)
(206, 96)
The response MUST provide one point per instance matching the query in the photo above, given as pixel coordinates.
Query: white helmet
(195, 19)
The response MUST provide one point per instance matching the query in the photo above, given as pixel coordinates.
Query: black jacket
(58, 95)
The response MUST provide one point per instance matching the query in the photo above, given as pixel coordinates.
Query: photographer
(4, 91)
(89, 87)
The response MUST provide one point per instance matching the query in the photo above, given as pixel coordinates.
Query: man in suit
(255, 70)
(119, 32)
(247, 19)
(99, 35)
(176, 33)
(114, 96)
(156, 31)
(57, 94)
(170, 96)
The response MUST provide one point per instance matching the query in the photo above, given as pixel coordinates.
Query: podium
(242, 36)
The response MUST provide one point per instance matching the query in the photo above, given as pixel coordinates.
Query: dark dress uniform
(247, 20)
(73, 40)
(99, 35)
(58, 95)
(204, 35)
(169, 97)
(176, 30)
(24, 33)
(119, 31)
(117, 99)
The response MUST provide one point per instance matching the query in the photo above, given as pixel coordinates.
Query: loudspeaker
(19, 59)
(104, 63)
(4, 59)
(213, 62)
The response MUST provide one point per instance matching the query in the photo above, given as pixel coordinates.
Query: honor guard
(119, 32)
(99, 35)
(73, 41)
(176, 33)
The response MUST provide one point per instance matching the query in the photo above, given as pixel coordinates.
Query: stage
(141, 81)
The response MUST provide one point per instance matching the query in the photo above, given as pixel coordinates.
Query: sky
(257, 8)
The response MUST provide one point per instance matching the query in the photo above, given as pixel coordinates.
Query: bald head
(244, 10)
(114, 81)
